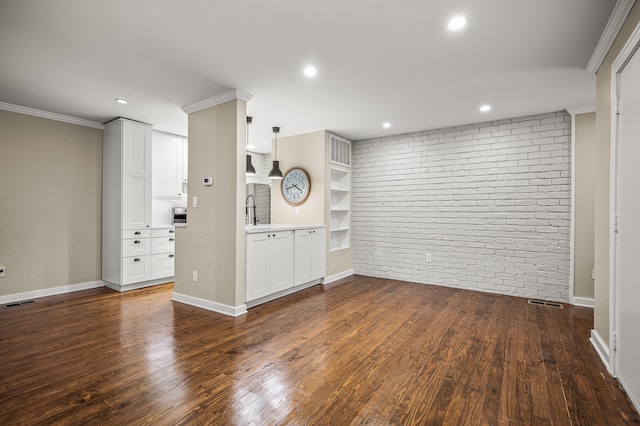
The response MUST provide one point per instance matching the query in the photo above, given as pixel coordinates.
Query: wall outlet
(2, 269)
(195, 276)
(427, 258)
(194, 203)
(297, 210)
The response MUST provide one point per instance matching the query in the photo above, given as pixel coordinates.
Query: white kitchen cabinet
(162, 253)
(126, 203)
(269, 263)
(309, 255)
(167, 166)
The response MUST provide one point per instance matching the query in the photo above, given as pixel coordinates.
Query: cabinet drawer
(162, 265)
(136, 233)
(166, 232)
(136, 269)
(163, 245)
(136, 247)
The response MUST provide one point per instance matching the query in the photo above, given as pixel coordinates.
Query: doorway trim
(623, 58)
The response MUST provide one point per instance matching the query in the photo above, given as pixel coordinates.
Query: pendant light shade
(275, 172)
(250, 170)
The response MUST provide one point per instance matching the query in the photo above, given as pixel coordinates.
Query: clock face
(296, 186)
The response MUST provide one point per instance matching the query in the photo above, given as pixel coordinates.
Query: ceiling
(377, 60)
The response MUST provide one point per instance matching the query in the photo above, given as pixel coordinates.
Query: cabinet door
(162, 265)
(302, 256)
(281, 260)
(258, 266)
(136, 179)
(135, 269)
(318, 254)
(167, 166)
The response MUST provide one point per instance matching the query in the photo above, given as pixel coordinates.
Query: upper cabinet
(169, 165)
(136, 177)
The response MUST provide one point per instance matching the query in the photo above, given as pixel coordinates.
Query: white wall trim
(36, 294)
(572, 227)
(618, 15)
(601, 348)
(616, 68)
(233, 311)
(338, 276)
(222, 98)
(50, 115)
(584, 302)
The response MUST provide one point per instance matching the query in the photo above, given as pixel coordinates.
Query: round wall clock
(296, 186)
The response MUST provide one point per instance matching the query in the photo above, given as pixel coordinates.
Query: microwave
(179, 215)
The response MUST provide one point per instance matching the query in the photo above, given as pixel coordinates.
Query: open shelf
(340, 209)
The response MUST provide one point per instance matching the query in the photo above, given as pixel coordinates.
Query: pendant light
(275, 172)
(251, 171)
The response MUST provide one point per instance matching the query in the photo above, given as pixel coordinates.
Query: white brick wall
(490, 202)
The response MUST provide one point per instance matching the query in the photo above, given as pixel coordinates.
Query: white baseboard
(136, 286)
(233, 311)
(583, 302)
(338, 276)
(35, 294)
(601, 347)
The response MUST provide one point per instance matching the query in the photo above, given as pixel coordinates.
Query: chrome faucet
(246, 211)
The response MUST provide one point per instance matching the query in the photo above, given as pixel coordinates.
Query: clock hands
(294, 186)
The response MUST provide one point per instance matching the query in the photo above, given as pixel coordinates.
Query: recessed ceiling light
(457, 23)
(310, 71)
(386, 125)
(122, 101)
(485, 108)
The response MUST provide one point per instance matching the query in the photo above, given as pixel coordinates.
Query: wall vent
(340, 152)
(545, 303)
(16, 304)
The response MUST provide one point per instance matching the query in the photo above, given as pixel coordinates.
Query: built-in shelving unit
(340, 209)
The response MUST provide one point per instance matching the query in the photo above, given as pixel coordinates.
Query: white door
(258, 266)
(627, 239)
(281, 260)
(136, 179)
(318, 254)
(302, 257)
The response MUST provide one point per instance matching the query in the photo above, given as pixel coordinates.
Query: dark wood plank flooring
(359, 351)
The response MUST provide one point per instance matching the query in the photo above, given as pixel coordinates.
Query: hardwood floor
(360, 351)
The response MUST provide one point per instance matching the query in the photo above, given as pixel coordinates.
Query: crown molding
(586, 109)
(618, 15)
(50, 115)
(231, 95)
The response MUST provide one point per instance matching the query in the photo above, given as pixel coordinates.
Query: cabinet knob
(171, 239)
(136, 242)
(137, 259)
(171, 255)
(171, 231)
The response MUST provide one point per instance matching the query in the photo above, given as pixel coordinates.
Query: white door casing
(624, 339)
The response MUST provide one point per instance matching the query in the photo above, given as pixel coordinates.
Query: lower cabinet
(162, 253)
(269, 263)
(278, 261)
(310, 255)
(136, 269)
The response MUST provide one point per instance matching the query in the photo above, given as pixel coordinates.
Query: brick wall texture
(491, 203)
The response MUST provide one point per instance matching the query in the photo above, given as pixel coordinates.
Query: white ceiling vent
(340, 151)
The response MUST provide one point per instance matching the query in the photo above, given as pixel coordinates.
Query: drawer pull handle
(136, 233)
(137, 259)
(172, 239)
(171, 231)
(136, 242)
(171, 255)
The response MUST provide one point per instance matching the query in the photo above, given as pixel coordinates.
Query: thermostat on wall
(207, 181)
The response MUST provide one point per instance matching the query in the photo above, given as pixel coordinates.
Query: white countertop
(252, 229)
